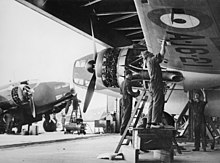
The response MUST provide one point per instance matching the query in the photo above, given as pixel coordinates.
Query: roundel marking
(189, 21)
(180, 21)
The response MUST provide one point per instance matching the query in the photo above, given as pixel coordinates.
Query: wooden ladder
(134, 116)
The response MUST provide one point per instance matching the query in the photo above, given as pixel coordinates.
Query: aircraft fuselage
(110, 67)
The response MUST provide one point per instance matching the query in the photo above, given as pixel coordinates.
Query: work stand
(158, 140)
(161, 140)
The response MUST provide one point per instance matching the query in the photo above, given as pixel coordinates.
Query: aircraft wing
(192, 27)
(115, 22)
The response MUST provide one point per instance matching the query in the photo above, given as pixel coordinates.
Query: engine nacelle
(114, 61)
(21, 94)
(15, 96)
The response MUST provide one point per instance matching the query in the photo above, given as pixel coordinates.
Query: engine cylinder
(109, 67)
(115, 61)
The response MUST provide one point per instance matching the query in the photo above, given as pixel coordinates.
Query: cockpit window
(77, 64)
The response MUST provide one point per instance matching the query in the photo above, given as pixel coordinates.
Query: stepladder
(135, 116)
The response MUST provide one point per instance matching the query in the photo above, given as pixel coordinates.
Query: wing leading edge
(116, 23)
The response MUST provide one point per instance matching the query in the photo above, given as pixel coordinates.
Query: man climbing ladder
(134, 116)
(126, 101)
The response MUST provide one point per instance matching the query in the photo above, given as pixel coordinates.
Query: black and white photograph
(118, 81)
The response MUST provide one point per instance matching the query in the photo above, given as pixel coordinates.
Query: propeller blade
(93, 40)
(91, 87)
(89, 93)
(33, 109)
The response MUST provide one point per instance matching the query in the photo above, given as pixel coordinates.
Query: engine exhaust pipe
(168, 76)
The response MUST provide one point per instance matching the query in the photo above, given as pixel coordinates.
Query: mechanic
(198, 107)
(156, 87)
(126, 102)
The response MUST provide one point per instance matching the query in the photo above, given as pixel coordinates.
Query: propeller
(32, 106)
(28, 92)
(31, 98)
(29, 95)
(89, 93)
(93, 40)
(91, 68)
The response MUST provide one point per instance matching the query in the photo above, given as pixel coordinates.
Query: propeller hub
(90, 66)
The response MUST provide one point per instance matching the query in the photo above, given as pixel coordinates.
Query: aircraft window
(77, 64)
(59, 97)
(75, 80)
(81, 63)
(78, 81)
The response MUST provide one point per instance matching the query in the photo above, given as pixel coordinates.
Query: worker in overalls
(156, 87)
(198, 106)
(70, 102)
(9, 120)
(126, 102)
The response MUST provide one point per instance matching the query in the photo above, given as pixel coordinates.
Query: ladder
(134, 116)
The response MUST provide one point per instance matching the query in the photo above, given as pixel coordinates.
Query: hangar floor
(8, 141)
(57, 147)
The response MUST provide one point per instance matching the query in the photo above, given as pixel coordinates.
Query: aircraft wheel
(168, 119)
(49, 126)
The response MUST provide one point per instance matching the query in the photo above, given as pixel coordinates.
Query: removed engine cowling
(15, 96)
(21, 94)
(115, 61)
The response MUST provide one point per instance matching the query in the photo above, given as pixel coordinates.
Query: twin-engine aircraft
(127, 27)
(28, 102)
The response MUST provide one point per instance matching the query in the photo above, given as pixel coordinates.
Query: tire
(49, 126)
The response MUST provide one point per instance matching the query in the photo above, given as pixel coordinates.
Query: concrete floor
(86, 150)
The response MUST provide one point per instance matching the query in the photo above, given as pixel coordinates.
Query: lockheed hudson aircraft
(29, 101)
(127, 27)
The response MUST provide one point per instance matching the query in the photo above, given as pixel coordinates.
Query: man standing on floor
(198, 107)
(9, 120)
